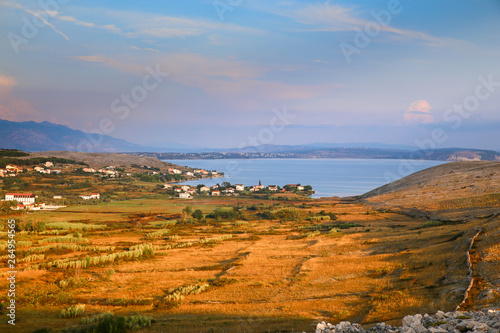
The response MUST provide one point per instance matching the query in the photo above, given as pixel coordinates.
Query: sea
(328, 177)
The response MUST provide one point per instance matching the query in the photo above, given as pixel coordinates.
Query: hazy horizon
(230, 74)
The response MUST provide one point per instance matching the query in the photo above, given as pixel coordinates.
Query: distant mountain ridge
(33, 137)
(446, 154)
(45, 136)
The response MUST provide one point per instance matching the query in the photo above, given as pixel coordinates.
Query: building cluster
(187, 191)
(10, 170)
(108, 171)
(28, 201)
(46, 170)
(25, 201)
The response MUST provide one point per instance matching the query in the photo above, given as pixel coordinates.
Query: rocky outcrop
(441, 322)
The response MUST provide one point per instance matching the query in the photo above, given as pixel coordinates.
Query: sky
(233, 73)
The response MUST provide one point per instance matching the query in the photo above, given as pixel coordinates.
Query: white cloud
(108, 27)
(336, 18)
(419, 112)
(42, 19)
(171, 27)
(143, 49)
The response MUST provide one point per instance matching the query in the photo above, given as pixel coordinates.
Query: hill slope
(445, 182)
(32, 136)
(99, 160)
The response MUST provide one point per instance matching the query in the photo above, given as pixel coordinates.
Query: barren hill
(107, 159)
(442, 186)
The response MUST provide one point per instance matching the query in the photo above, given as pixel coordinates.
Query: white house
(178, 189)
(88, 170)
(189, 173)
(185, 196)
(204, 189)
(185, 187)
(239, 187)
(91, 196)
(215, 193)
(167, 186)
(176, 171)
(273, 188)
(49, 164)
(14, 168)
(300, 188)
(25, 198)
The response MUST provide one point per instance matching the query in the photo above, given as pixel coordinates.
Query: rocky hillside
(441, 322)
(443, 186)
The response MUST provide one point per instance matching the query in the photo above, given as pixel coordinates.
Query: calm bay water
(329, 177)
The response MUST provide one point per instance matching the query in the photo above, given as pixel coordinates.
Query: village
(171, 177)
(12, 175)
(227, 189)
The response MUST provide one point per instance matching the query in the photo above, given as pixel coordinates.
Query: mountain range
(45, 136)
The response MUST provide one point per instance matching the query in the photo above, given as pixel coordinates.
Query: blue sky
(344, 71)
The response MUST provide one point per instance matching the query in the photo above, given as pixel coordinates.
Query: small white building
(167, 186)
(189, 173)
(25, 198)
(185, 196)
(215, 193)
(49, 164)
(185, 187)
(204, 189)
(239, 187)
(273, 188)
(91, 196)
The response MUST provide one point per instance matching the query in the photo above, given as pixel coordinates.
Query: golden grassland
(243, 275)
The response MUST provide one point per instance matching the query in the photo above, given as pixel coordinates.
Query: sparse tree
(197, 214)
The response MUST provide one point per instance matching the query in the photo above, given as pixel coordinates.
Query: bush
(224, 214)
(267, 215)
(109, 323)
(197, 214)
(73, 311)
(287, 215)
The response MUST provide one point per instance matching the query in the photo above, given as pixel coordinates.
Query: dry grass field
(255, 263)
(243, 275)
